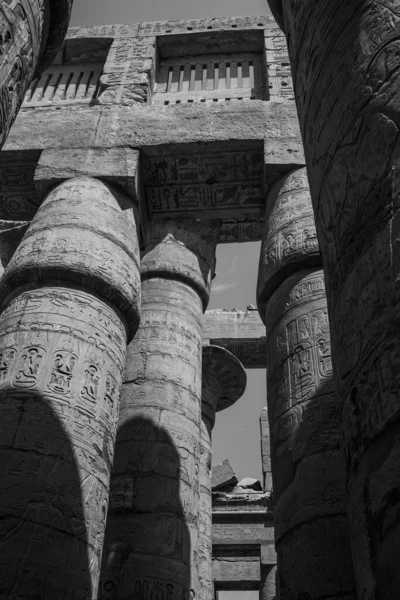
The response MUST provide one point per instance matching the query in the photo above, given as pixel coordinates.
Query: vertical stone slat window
(60, 85)
(209, 79)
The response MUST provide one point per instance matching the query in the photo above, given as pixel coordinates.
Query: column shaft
(152, 528)
(205, 515)
(63, 332)
(344, 58)
(268, 582)
(223, 383)
(312, 542)
(31, 32)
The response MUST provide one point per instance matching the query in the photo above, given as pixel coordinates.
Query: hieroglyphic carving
(302, 413)
(62, 352)
(224, 182)
(218, 24)
(304, 433)
(100, 257)
(30, 31)
(48, 337)
(339, 79)
(18, 197)
(245, 229)
(289, 236)
(157, 463)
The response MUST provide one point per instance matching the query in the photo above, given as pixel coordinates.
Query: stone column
(152, 528)
(31, 32)
(268, 582)
(344, 59)
(69, 300)
(313, 549)
(223, 383)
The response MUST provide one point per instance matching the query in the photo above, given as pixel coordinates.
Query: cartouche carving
(302, 413)
(62, 353)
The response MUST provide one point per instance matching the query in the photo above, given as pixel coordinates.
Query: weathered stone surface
(223, 476)
(225, 533)
(63, 332)
(152, 528)
(344, 64)
(250, 483)
(307, 467)
(241, 332)
(223, 383)
(227, 571)
(290, 240)
(51, 250)
(265, 450)
(30, 35)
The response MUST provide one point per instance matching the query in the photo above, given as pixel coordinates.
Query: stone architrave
(152, 528)
(70, 299)
(223, 383)
(31, 32)
(313, 549)
(344, 60)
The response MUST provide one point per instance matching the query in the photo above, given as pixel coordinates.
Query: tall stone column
(31, 32)
(311, 531)
(344, 59)
(70, 299)
(223, 383)
(152, 528)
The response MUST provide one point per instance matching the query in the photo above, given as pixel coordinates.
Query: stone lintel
(117, 166)
(171, 28)
(287, 153)
(238, 572)
(240, 332)
(231, 532)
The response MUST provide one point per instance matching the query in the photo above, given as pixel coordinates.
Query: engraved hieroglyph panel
(60, 349)
(223, 184)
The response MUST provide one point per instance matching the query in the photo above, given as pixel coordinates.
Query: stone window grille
(209, 79)
(62, 85)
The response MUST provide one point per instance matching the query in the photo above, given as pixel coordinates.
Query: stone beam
(238, 571)
(240, 332)
(234, 533)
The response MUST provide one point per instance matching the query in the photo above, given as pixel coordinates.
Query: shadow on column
(311, 529)
(147, 545)
(43, 534)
